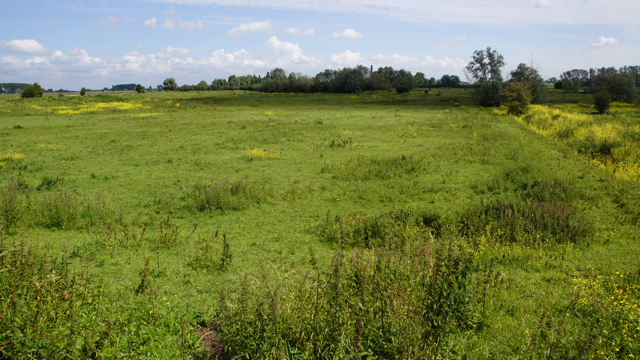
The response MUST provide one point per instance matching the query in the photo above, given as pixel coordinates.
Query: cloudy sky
(96, 43)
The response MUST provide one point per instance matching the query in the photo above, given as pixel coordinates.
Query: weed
(143, 286)
(224, 195)
(259, 154)
(373, 168)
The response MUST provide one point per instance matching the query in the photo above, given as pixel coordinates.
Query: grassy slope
(160, 147)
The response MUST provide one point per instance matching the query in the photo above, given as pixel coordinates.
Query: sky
(69, 44)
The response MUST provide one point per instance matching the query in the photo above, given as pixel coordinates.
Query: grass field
(373, 225)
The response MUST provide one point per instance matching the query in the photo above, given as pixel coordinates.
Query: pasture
(372, 225)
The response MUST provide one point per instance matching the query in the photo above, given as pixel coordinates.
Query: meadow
(233, 224)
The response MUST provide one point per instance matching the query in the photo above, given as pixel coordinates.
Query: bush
(516, 97)
(139, 88)
(32, 91)
(622, 87)
(402, 89)
(83, 91)
(426, 92)
(602, 101)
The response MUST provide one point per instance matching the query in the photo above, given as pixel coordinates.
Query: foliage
(170, 84)
(139, 88)
(83, 91)
(602, 101)
(622, 87)
(537, 86)
(378, 303)
(32, 91)
(484, 72)
(402, 89)
(374, 168)
(516, 97)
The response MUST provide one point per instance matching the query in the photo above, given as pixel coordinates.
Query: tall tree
(529, 75)
(485, 73)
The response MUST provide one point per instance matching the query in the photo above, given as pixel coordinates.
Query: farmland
(318, 226)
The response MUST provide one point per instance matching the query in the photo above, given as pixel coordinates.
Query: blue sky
(73, 43)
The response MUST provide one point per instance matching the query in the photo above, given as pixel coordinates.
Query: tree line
(346, 80)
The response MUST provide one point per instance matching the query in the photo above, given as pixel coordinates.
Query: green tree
(139, 88)
(602, 101)
(485, 73)
(202, 85)
(170, 84)
(516, 97)
(83, 91)
(530, 75)
(32, 91)
(622, 87)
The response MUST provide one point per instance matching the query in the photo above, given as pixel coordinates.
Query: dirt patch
(453, 102)
(210, 340)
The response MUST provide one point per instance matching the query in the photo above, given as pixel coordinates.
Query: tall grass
(224, 195)
(377, 303)
(375, 168)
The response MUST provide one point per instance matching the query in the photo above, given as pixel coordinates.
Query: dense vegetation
(369, 225)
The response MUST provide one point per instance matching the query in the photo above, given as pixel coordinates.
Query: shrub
(516, 97)
(83, 91)
(402, 89)
(32, 91)
(602, 101)
(139, 88)
(426, 92)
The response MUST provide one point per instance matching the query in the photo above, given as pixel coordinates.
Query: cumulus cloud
(602, 41)
(24, 47)
(278, 53)
(169, 23)
(151, 22)
(427, 65)
(173, 53)
(296, 31)
(346, 59)
(250, 28)
(350, 34)
(115, 21)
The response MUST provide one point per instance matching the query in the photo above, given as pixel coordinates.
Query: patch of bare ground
(210, 341)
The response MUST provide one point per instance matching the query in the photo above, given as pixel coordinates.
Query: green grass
(164, 222)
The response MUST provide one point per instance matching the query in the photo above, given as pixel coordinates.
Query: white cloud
(151, 22)
(278, 53)
(169, 23)
(250, 28)
(24, 47)
(602, 41)
(296, 31)
(192, 25)
(428, 65)
(462, 38)
(543, 3)
(346, 59)
(173, 53)
(468, 12)
(115, 21)
(202, 48)
(238, 59)
(350, 34)
(139, 46)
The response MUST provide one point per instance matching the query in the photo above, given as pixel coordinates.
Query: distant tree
(32, 91)
(485, 73)
(404, 78)
(557, 85)
(202, 85)
(351, 80)
(621, 86)
(432, 81)
(402, 89)
(83, 91)
(377, 81)
(159, 87)
(139, 88)
(516, 97)
(445, 80)
(552, 80)
(170, 84)
(528, 74)
(150, 88)
(278, 74)
(602, 101)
